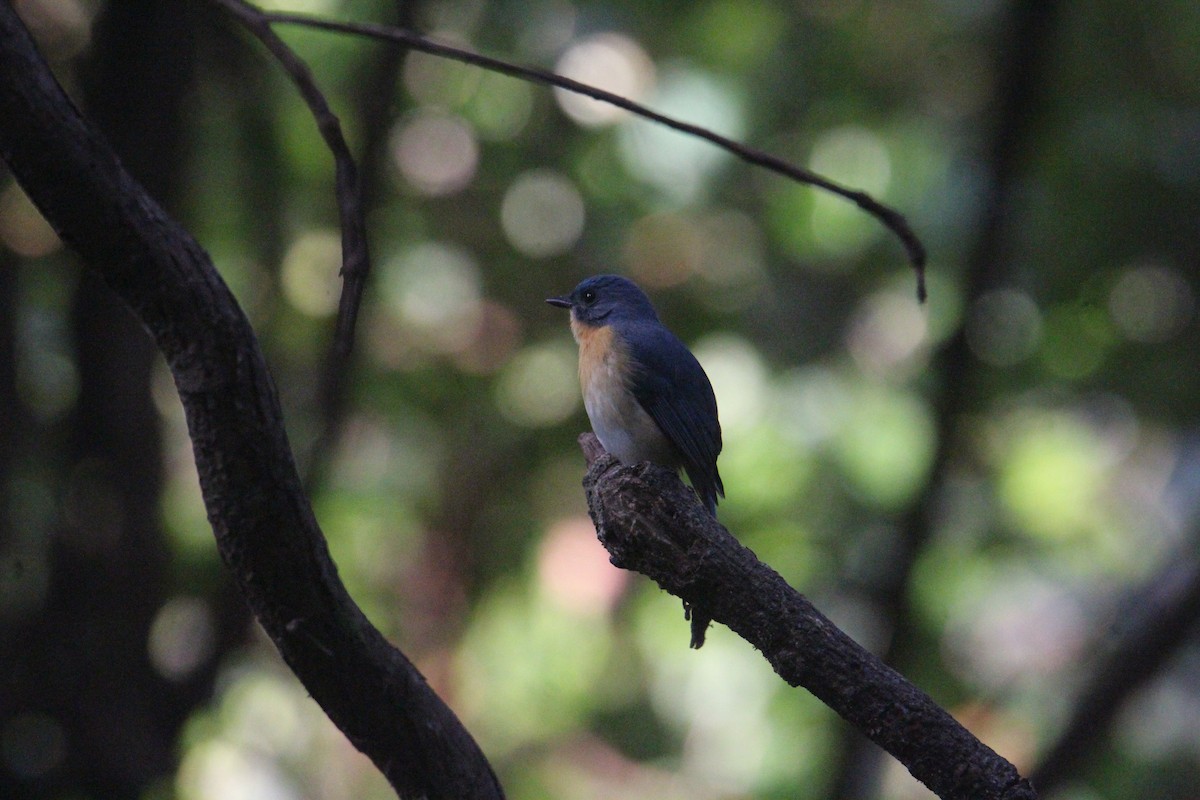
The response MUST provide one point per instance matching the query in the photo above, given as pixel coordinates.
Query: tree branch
(264, 526)
(373, 108)
(892, 219)
(356, 261)
(653, 524)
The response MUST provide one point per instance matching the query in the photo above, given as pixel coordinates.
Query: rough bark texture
(651, 523)
(263, 524)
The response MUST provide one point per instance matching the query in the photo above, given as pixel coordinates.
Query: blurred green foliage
(452, 503)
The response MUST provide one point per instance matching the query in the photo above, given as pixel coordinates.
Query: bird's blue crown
(606, 298)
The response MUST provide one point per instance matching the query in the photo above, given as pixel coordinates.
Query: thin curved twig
(892, 219)
(356, 261)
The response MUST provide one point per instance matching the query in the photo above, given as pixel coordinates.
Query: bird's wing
(671, 386)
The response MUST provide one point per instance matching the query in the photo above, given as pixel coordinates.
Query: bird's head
(604, 299)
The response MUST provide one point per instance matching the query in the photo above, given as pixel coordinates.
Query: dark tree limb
(264, 526)
(651, 523)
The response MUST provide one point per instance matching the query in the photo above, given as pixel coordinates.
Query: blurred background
(997, 490)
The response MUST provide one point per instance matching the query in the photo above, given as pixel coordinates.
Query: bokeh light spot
(609, 61)
(732, 259)
(1151, 303)
(496, 334)
(886, 332)
(542, 213)
(435, 152)
(855, 157)
(47, 380)
(1052, 475)
(664, 249)
(433, 290)
(574, 570)
(440, 82)
(1075, 341)
(310, 273)
(500, 107)
(182, 637)
(886, 445)
(739, 379)
(539, 387)
(674, 164)
(217, 770)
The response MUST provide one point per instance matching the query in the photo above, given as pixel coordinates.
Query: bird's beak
(561, 302)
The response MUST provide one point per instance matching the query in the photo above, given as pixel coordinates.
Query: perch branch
(892, 219)
(356, 261)
(653, 524)
(263, 524)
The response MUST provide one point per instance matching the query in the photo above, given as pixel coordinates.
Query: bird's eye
(589, 296)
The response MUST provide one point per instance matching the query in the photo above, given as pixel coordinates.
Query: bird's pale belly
(618, 419)
(626, 430)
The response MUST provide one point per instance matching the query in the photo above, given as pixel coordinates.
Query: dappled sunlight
(1029, 432)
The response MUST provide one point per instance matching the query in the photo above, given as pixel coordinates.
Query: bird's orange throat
(597, 354)
(582, 330)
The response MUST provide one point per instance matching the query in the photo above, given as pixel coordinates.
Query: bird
(646, 395)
